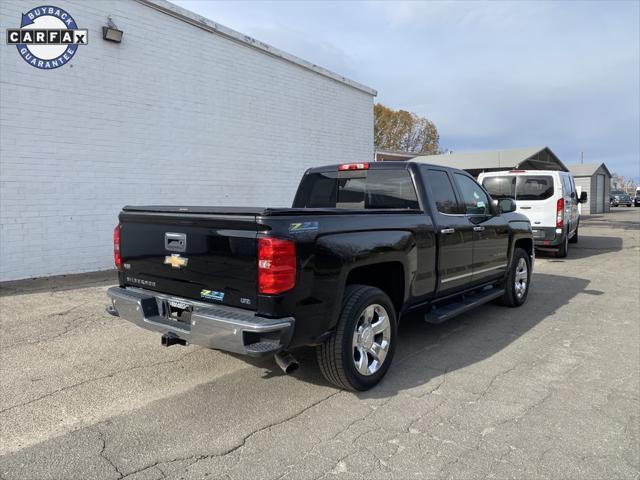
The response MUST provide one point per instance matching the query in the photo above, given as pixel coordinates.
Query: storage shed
(180, 110)
(595, 179)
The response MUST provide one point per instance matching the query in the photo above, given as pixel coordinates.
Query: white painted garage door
(599, 193)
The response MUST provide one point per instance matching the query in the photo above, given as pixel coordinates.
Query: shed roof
(534, 158)
(205, 24)
(586, 169)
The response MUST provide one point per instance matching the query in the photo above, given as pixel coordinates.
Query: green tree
(405, 131)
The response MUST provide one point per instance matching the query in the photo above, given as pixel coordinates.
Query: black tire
(563, 249)
(511, 297)
(336, 356)
(574, 239)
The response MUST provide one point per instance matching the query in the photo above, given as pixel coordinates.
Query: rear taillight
(117, 259)
(560, 213)
(353, 166)
(276, 265)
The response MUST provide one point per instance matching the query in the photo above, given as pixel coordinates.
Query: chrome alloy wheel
(371, 339)
(521, 278)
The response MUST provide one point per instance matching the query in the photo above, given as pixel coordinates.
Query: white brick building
(183, 111)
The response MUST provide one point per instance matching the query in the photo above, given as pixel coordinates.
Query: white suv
(547, 197)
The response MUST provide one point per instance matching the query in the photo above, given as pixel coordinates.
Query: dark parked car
(362, 245)
(618, 197)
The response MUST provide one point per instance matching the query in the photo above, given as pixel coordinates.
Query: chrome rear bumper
(212, 326)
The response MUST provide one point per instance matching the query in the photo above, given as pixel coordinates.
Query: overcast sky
(490, 75)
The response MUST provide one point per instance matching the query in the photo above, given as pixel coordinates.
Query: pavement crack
(198, 458)
(94, 379)
(484, 392)
(104, 456)
(69, 325)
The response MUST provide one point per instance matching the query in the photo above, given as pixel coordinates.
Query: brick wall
(173, 115)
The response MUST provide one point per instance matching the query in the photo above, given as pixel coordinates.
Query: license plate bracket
(177, 311)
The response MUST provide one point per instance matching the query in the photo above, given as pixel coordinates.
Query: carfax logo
(48, 37)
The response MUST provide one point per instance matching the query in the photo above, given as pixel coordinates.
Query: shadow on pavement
(587, 246)
(625, 219)
(426, 351)
(58, 283)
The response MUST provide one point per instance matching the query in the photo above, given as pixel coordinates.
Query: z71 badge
(303, 227)
(212, 295)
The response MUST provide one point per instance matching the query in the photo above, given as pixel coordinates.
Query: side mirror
(583, 197)
(507, 205)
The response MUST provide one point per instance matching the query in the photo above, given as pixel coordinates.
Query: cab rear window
(362, 189)
(520, 187)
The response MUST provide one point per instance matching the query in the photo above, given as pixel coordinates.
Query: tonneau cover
(258, 211)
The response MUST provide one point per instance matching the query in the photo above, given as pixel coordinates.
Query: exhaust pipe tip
(286, 362)
(169, 339)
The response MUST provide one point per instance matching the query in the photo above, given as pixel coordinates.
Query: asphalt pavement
(550, 390)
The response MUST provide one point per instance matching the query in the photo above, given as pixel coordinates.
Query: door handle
(447, 231)
(478, 229)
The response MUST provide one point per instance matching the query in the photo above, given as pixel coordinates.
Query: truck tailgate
(210, 257)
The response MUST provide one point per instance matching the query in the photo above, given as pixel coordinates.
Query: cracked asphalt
(550, 390)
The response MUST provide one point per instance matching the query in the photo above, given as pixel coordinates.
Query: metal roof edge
(204, 23)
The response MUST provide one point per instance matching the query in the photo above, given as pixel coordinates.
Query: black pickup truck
(362, 245)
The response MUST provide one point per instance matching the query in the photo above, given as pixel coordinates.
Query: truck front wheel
(518, 279)
(359, 353)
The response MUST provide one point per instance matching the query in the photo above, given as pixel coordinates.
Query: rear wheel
(359, 353)
(574, 239)
(564, 247)
(518, 280)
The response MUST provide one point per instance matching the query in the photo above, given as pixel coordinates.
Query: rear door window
(442, 192)
(534, 187)
(360, 189)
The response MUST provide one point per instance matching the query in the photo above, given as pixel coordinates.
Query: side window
(566, 184)
(475, 200)
(572, 189)
(442, 192)
(390, 189)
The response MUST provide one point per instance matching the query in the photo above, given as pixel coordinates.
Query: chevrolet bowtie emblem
(176, 261)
